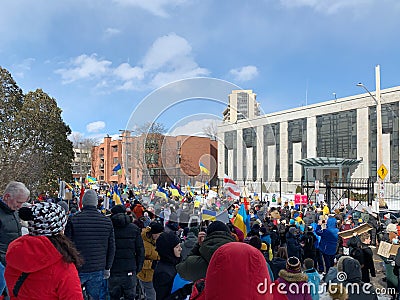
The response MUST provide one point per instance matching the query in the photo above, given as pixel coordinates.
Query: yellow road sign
(382, 172)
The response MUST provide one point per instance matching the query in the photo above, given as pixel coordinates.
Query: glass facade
(230, 140)
(250, 141)
(390, 125)
(271, 137)
(337, 134)
(297, 133)
(243, 105)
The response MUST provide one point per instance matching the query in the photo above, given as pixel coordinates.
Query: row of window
(336, 137)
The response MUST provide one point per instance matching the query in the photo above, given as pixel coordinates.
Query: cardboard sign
(68, 196)
(386, 249)
(357, 230)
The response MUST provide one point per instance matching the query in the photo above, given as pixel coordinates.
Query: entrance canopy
(329, 163)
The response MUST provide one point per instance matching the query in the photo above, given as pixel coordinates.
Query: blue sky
(101, 59)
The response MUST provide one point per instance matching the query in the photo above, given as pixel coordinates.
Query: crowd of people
(163, 249)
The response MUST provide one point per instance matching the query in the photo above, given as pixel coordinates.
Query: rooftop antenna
(334, 94)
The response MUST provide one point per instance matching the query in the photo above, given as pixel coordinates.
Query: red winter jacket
(50, 277)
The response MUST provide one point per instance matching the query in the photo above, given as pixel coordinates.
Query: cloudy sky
(102, 59)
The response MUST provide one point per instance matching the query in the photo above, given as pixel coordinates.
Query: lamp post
(80, 161)
(377, 99)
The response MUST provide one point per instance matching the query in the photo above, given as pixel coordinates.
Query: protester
(231, 274)
(129, 255)
(293, 282)
(279, 261)
(313, 278)
(42, 265)
(149, 235)
(93, 235)
(169, 249)
(189, 241)
(329, 240)
(196, 264)
(14, 196)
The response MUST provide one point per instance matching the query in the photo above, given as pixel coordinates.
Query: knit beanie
(117, 209)
(90, 198)
(293, 265)
(156, 227)
(217, 226)
(44, 218)
(64, 205)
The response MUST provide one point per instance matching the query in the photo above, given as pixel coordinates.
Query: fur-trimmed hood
(340, 262)
(293, 277)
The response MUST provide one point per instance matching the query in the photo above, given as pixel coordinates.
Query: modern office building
(242, 105)
(276, 147)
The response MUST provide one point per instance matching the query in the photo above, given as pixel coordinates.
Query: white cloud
(110, 32)
(24, 66)
(156, 7)
(245, 73)
(95, 126)
(83, 67)
(193, 128)
(168, 59)
(126, 72)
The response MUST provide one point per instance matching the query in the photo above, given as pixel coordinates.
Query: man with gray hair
(14, 196)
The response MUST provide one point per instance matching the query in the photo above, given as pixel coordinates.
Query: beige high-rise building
(242, 105)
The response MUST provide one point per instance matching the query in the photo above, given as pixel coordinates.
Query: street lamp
(377, 99)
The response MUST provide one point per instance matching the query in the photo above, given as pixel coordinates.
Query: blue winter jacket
(329, 237)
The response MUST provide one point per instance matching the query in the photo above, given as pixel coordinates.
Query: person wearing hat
(93, 235)
(195, 265)
(150, 235)
(290, 276)
(43, 264)
(129, 255)
(169, 249)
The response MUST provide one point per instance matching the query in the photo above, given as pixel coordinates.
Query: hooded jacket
(165, 270)
(329, 237)
(49, 276)
(237, 271)
(352, 268)
(196, 264)
(301, 292)
(129, 249)
(150, 255)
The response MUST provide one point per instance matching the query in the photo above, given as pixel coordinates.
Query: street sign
(382, 172)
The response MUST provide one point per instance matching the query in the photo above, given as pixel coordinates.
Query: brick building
(155, 158)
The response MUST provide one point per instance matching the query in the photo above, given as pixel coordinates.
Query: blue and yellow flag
(118, 169)
(203, 169)
(91, 179)
(116, 195)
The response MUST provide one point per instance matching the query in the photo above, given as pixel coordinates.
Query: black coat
(129, 249)
(10, 229)
(93, 236)
(293, 246)
(276, 265)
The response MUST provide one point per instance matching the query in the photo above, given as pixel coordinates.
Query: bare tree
(211, 131)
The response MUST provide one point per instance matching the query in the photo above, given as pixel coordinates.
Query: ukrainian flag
(208, 215)
(175, 192)
(116, 195)
(118, 169)
(203, 168)
(241, 220)
(91, 179)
